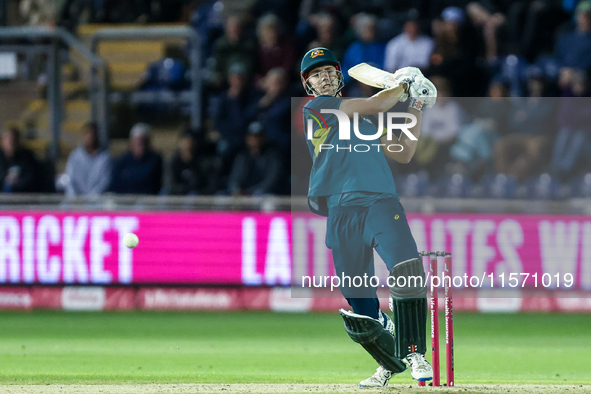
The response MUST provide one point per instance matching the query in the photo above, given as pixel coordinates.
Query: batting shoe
(378, 379)
(420, 369)
(382, 375)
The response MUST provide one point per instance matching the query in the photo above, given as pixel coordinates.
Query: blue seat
(499, 186)
(451, 186)
(543, 187)
(412, 185)
(581, 186)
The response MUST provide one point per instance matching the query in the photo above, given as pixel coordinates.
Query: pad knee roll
(407, 280)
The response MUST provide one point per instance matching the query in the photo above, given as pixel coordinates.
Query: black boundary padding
(378, 342)
(407, 269)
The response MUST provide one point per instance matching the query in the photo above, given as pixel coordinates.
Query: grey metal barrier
(158, 32)
(97, 90)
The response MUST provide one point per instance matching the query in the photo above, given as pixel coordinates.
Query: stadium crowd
(511, 118)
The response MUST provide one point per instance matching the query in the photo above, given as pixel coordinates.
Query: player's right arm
(409, 146)
(423, 95)
(379, 102)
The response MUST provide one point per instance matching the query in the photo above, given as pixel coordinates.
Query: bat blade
(372, 76)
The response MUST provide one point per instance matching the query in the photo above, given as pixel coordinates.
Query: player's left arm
(409, 146)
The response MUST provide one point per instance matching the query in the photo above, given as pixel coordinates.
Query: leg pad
(378, 342)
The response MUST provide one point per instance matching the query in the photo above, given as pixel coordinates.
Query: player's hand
(423, 93)
(407, 75)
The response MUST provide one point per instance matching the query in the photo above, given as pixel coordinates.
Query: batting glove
(423, 94)
(407, 75)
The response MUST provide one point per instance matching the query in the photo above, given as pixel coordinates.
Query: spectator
(573, 141)
(166, 74)
(233, 47)
(439, 130)
(326, 35)
(448, 33)
(257, 170)
(533, 25)
(492, 23)
(38, 12)
(75, 12)
(522, 152)
(573, 48)
(493, 113)
(473, 151)
(231, 112)
(275, 48)
(410, 48)
(458, 45)
(139, 171)
(19, 169)
(365, 49)
(286, 11)
(194, 170)
(88, 169)
(275, 109)
(207, 20)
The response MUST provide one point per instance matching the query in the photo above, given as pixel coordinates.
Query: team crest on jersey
(316, 53)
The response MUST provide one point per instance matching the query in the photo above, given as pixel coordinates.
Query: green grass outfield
(166, 347)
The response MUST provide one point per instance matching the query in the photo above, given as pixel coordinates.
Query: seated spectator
(233, 47)
(573, 141)
(75, 12)
(286, 10)
(207, 21)
(194, 170)
(88, 169)
(231, 112)
(473, 151)
(139, 171)
(411, 48)
(326, 35)
(165, 74)
(38, 12)
(573, 49)
(275, 48)
(275, 109)
(19, 169)
(522, 152)
(493, 112)
(439, 130)
(365, 49)
(257, 170)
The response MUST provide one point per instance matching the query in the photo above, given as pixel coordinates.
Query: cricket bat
(372, 76)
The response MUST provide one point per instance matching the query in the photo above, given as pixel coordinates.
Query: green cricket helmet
(318, 57)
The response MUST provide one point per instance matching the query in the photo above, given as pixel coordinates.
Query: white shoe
(420, 369)
(378, 379)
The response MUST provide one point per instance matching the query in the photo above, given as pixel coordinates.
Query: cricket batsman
(355, 189)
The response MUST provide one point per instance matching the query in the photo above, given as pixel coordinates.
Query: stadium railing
(114, 202)
(99, 70)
